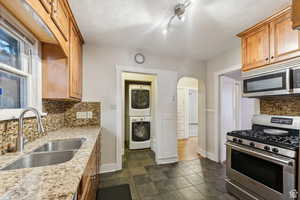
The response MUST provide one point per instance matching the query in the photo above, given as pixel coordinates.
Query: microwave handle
(288, 80)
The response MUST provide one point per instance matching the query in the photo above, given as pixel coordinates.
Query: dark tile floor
(199, 179)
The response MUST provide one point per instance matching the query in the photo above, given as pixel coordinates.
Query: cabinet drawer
(60, 17)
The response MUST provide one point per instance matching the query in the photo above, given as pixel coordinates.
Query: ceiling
(209, 28)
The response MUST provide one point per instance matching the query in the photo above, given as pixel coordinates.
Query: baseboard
(202, 153)
(169, 160)
(153, 145)
(212, 156)
(110, 167)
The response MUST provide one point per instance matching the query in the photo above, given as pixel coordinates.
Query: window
(20, 72)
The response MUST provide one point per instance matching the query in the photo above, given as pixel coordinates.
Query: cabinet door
(285, 43)
(60, 17)
(296, 14)
(256, 48)
(47, 5)
(75, 65)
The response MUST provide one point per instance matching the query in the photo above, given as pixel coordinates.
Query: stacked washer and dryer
(139, 116)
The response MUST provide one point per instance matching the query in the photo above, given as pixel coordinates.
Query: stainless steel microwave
(268, 84)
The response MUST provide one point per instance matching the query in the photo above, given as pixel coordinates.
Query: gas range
(261, 163)
(279, 135)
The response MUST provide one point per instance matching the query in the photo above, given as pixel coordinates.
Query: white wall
(249, 107)
(217, 64)
(99, 83)
(227, 110)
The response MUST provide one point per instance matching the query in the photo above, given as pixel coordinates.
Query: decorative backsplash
(60, 114)
(283, 105)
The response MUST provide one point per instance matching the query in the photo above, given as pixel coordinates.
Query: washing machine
(140, 132)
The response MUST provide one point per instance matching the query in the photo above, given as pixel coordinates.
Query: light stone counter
(56, 182)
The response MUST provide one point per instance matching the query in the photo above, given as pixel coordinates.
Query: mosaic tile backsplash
(60, 114)
(284, 105)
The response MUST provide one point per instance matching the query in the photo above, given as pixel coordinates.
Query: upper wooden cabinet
(75, 61)
(54, 25)
(270, 41)
(60, 17)
(285, 42)
(296, 14)
(256, 47)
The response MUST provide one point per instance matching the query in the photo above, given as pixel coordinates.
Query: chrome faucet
(21, 141)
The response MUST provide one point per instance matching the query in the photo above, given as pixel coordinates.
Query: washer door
(140, 131)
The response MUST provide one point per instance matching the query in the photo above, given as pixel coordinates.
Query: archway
(189, 112)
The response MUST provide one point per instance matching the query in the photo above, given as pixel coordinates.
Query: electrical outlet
(81, 115)
(78, 115)
(89, 115)
(84, 115)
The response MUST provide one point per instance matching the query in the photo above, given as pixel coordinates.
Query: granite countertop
(56, 182)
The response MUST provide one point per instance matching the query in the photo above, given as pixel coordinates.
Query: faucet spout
(20, 138)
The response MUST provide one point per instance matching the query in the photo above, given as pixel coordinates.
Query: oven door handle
(284, 161)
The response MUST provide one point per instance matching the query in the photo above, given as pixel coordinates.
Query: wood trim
(38, 7)
(72, 17)
(65, 30)
(264, 22)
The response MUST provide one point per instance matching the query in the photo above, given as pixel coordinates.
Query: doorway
(187, 118)
(139, 101)
(236, 111)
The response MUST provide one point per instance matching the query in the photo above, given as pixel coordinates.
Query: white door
(193, 112)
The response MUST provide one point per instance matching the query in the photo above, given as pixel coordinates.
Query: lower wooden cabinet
(90, 180)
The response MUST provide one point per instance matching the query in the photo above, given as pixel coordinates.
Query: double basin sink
(51, 153)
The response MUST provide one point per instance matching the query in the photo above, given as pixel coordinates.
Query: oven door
(275, 83)
(260, 173)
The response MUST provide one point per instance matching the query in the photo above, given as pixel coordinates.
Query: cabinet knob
(267, 59)
(272, 57)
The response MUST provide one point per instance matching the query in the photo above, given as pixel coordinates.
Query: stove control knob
(240, 141)
(267, 148)
(234, 140)
(275, 150)
(252, 144)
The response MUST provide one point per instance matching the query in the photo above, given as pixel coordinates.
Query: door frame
(217, 143)
(217, 76)
(120, 108)
(202, 133)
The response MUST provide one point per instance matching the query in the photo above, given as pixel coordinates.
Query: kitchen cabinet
(60, 17)
(296, 14)
(75, 61)
(285, 42)
(62, 61)
(47, 5)
(256, 47)
(55, 16)
(88, 186)
(270, 41)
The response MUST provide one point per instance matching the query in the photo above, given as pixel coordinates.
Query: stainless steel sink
(41, 159)
(61, 145)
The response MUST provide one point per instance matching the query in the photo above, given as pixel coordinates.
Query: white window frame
(33, 75)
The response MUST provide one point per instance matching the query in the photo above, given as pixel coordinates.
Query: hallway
(198, 179)
(188, 149)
